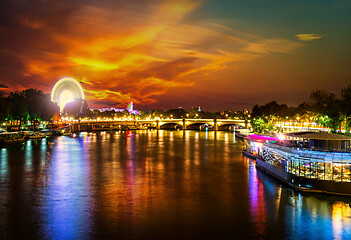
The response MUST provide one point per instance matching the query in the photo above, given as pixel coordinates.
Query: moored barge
(306, 161)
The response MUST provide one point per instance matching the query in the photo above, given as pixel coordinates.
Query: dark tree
(77, 109)
(272, 108)
(302, 109)
(48, 109)
(17, 106)
(32, 101)
(176, 113)
(194, 112)
(28, 105)
(4, 107)
(256, 111)
(346, 106)
(346, 100)
(328, 107)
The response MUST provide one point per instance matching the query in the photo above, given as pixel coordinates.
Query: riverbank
(14, 137)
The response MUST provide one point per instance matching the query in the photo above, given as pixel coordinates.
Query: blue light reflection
(68, 213)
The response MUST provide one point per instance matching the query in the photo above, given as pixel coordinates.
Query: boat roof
(260, 138)
(318, 136)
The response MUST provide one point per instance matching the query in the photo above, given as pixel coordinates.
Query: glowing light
(65, 91)
(130, 107)
(281, 137)
(66, 97)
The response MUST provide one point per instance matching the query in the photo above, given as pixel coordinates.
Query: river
(154, 185)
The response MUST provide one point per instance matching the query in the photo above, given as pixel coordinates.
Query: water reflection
(257, 207)
(67, 191)
(154, 184)
(3, 162)
(296, 215)
(341, 213)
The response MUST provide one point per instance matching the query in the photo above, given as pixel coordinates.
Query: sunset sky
(219, 54)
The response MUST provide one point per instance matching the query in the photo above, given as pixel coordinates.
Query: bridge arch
(236, 123)
(197, 125)
(230, 126)
(170, 125)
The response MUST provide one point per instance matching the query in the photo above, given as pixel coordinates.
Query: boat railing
(312, 149)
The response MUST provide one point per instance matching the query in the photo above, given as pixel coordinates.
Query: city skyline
(214, 54)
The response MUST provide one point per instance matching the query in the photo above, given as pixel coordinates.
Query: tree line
(324, 108)
(27, 105)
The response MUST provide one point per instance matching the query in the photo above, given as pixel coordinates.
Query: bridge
(188, 123)
(185, 123)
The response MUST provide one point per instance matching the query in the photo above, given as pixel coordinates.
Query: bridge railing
(156, 120)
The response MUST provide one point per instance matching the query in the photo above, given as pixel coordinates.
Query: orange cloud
(133, 52)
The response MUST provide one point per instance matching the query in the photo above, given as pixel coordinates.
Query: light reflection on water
(149, 184)
(305, 216)
(67, 194)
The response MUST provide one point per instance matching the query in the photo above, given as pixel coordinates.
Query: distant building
(129, 108)
(111, 109)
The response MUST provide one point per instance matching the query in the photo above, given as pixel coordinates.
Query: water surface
(154, 184)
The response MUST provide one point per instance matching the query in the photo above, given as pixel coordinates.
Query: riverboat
(306, 161)
(12, 137)
(36, 136)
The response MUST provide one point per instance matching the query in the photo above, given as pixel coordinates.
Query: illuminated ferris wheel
(65, 91)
